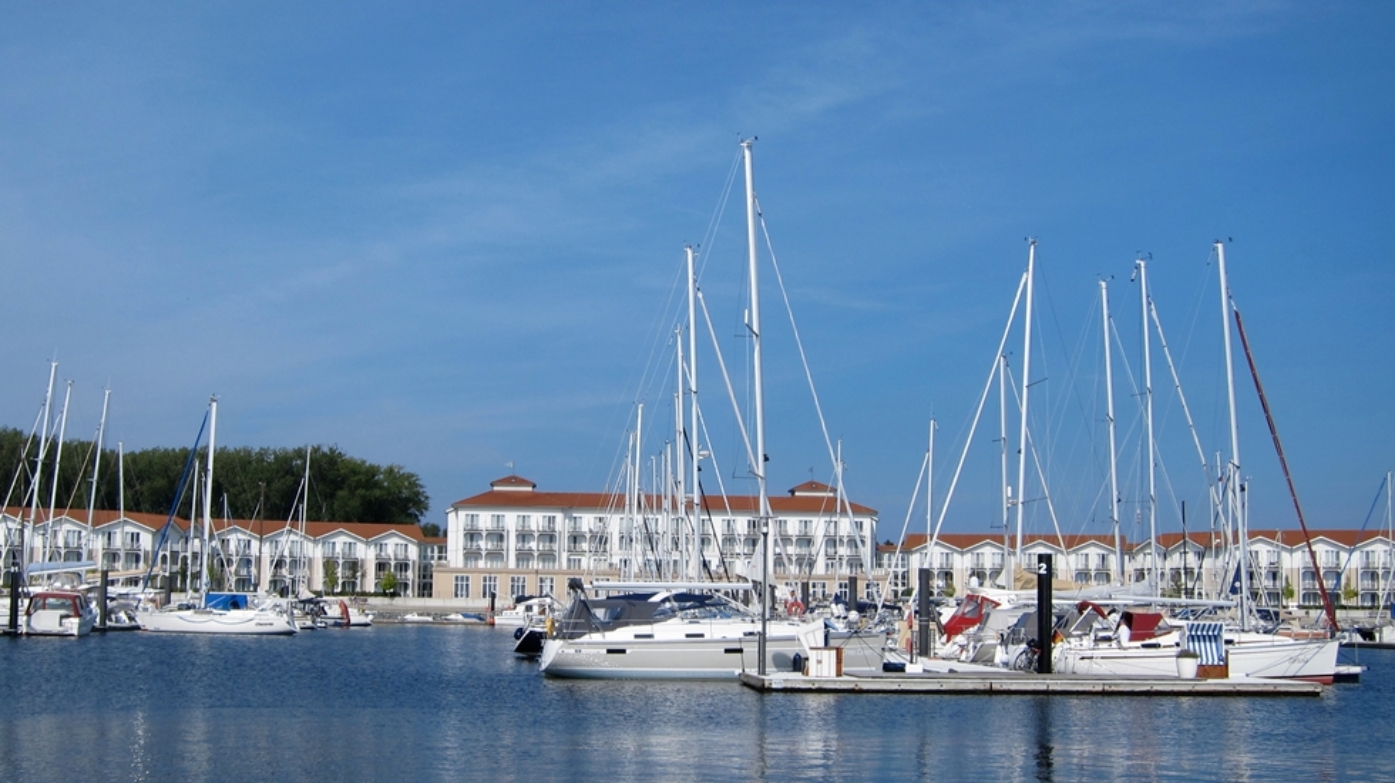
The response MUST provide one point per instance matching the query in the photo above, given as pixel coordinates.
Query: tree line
(248, 483)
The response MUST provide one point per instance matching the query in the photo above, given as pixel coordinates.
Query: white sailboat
(668, 630)
(262, 617)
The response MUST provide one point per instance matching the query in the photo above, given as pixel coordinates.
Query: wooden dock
(1034, 684)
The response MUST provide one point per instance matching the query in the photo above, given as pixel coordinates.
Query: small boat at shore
(526, 612)
(58, 613)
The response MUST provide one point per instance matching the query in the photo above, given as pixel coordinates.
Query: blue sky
(448, 236)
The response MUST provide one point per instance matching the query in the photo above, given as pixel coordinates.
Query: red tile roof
(527, 496)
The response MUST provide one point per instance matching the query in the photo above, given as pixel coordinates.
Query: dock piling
(923, 612)
(14, 579)
(104, 574)
(1046, 620)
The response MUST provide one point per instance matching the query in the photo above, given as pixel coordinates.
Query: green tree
(331, 576)
(257, 483)
(431, 530)
(388, 584)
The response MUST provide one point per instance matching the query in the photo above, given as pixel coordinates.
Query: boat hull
(214, 621)
(54, 623)
(686, 659)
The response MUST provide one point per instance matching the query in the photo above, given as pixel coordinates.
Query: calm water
(448, 703)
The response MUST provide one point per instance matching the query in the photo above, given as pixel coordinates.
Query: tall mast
(1026, 385)
(1389, 545)
(1148, 416)
(929, 494)
(758, 379)
(304, 503)
(97, 465)
(27, 542)
(1003, 460)
(679, 501)
(1113, 452)
(208, 498)
(121, 478)
(194, 498)
(694, 454)
(57, 462)
(1232, 481)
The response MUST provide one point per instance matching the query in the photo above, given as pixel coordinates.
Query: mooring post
(1046, 620)
(13, 625)
(852, 593)
(923, 611)
(804, 593)
(104, 574)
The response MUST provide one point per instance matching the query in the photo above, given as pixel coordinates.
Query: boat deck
(1035, 684)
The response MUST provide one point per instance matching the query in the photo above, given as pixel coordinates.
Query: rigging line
(640, 379)
(1182, 397)
(906, 524)
(1041, 476)
(1072, 385)
(709, 238)
(731, 394)
(174, 505)
(993, 370)
(799, 344)
(1283, 462)
(1351, 554)
(22, 463)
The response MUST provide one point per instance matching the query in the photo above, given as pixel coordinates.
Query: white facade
(516, 527)
(248, 556)
(1356, 567)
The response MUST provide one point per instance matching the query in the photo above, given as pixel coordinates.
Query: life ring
(794, 608)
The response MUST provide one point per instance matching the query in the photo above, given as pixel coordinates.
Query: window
(350, 549)
(573, 563)
(518, 585)
(462, 585)
(549, 522)
(489, 585)
(496, 521)
(331, 550)
(525, 522)
(399, 551)
(380, 550)
(472, 522)
(72, 539)
(546, 584)
(133, 539)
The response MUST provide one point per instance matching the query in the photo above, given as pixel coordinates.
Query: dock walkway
(1017, 684)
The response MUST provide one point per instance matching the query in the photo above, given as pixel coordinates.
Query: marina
(438, 702)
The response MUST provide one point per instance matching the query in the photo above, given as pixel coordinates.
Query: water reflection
(1041, 713)
(444, 703)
